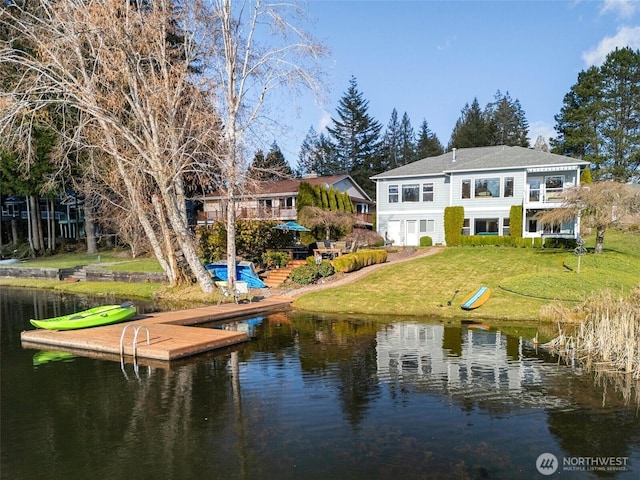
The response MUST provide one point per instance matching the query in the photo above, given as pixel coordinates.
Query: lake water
(310, 397)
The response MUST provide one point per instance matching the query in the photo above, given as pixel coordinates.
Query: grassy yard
(522, 281)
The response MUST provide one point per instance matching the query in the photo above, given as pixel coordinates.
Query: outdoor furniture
(240, 289)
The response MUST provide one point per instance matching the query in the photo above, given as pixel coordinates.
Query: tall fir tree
(407, 140)
(273, 166)
(356, 136)
(392, 154)
(600, 118)
(428, 144)
(507, 122)
(472, 128)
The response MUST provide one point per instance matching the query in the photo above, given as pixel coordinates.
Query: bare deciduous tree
(600, 206)
(257, 48)
(137, 95)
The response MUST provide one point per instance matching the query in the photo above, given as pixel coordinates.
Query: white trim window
(487, 188)
(393, 193)
(410, 193)
(427, 192)
(508, 187)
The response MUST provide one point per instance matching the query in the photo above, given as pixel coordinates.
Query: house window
(466, 227)
(534, 190)
(487, 187)
(508, 187)
(486, 226)
(554, 185)
(466, 188)
(506, 222)
(410, 193)
(427, 226)
(393, 193)
(427, 192)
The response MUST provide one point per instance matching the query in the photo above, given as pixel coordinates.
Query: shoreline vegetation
(530, 287)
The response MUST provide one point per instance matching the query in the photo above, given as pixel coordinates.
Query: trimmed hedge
(362, 258)
(426, 241)
(515, 221)
(453, 223)
(518, 242)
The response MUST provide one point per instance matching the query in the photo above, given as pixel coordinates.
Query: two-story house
(486, 182)
(276, 200)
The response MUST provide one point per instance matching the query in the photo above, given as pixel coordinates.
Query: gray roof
(480, 159)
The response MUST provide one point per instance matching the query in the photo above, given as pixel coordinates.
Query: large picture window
(487, 188)
(410, 193)
(393, 193)
(486, 226)
(427, 192)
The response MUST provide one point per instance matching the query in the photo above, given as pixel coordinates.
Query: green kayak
(94, 317)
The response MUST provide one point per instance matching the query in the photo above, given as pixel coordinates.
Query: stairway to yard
(278, 276)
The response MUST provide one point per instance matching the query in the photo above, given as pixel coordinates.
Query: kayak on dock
(94, 317)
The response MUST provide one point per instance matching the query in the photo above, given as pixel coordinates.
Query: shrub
(426, 241)
(307, 274)
(275, 259)
(355, 261)
(515, 221)
(453, 223)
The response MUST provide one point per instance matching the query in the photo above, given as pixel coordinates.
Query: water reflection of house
(276, 200)
(485, 366)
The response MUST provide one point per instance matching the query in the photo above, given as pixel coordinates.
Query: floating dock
(163, 336)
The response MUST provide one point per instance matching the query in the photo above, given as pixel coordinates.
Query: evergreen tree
(578, 122)
(472, 128)
(600, 118)
(392, 154)
(541, 145)
(272, 167)
(355, 135)
(407, 140)
(507, 121)
(428, 144)
(308, 159)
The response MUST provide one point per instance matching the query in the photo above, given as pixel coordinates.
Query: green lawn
(522, 281)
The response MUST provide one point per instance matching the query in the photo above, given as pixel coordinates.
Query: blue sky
(429, 58)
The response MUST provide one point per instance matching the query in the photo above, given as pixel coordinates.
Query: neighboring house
(486, 181)
(68, 213)
(276, 200)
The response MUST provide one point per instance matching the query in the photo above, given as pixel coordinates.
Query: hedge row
(362, 258)
(498, 241)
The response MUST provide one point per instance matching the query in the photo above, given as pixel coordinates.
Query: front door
(393, 232)
(412, 233)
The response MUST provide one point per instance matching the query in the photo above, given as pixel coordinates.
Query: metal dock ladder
(136, 331)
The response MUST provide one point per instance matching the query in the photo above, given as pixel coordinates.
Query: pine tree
(407, 140)
(428, 144)
(272, 167)
(472, 128)
(507, 121)
(541, 144)
(391, 144)
(355, 135)
(600, 118)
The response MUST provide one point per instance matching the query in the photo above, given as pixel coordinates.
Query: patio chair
(241, 289)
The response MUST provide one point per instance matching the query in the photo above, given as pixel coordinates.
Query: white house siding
(394, 220)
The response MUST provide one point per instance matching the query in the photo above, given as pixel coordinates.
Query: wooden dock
(171, 334)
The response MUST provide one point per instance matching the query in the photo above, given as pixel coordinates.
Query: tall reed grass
(607, 337)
